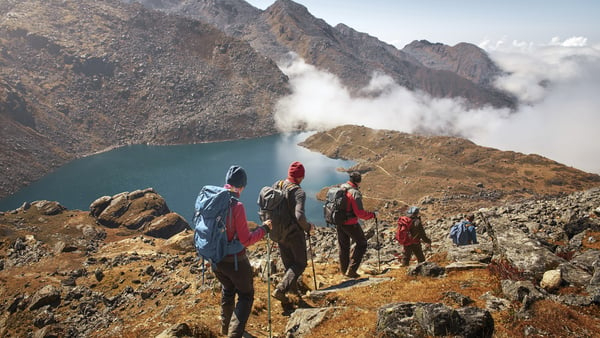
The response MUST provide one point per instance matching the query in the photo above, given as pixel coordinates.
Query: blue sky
(399, 21)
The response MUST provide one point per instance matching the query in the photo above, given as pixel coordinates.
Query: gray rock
(475, 322)
(518, 290)
(98, 206)
(432, 319)
(574, 275)
(48, 295)
(166, 226)
(494, 303)
(526, 254)
(176, 331)
(302, 321)
(48, 207)
(428, 269)
(437, 319)
(585, 260)
(397, 320)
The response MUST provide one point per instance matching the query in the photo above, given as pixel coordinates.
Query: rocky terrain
(127, 266)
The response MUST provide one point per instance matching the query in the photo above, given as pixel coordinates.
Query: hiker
(471, 228)
(417, 234)
(234, 271)
(351, 230)
(292, 247)
(464, 232)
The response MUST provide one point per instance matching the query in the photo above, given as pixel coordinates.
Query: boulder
(141, 210)
(428, 269)
(99, 205)
(303, 321)
(551, 280)
(182, 241)
(432, 319)
(49, 208)
(177, 330)
(166, 226)
(574, 275)
(518, 290)
(526, 254)
(48, 295)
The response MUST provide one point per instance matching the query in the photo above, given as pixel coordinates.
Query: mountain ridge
(287, 26)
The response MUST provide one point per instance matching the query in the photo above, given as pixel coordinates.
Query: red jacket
(237, 223)
(355, 204)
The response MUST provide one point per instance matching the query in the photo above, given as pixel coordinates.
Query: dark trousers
(350, 259)
(409, 250)
(234, 282)
(293, 256)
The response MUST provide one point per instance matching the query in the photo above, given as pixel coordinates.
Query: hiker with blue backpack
(218, 213)
(464, 232)
(292, 241)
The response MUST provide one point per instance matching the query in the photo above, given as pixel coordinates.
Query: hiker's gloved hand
(268, 225)
(376, 213)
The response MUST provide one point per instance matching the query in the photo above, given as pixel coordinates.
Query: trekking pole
(377, 238)
(312, 253)
(269, 248)
(269, 283)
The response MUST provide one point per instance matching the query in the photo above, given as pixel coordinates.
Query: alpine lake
(177, 173)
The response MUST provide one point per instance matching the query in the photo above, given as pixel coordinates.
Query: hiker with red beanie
(292, 247)
(351, 230)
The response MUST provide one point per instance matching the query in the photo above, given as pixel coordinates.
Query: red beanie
(296, 170)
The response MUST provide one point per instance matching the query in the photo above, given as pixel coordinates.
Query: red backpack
(403, 232)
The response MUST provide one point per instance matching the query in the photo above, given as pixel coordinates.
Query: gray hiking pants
(293, 256)
(234, 282)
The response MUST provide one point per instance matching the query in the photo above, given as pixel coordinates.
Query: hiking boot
(280, 296)
(352, 274)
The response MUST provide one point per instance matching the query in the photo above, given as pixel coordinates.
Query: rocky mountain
(464, 59)
(462, 71)
(127, 266)
(79, 77)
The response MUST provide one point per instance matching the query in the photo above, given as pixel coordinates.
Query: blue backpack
(458, 233)
(213, 205)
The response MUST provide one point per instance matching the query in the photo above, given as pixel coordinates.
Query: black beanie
(355, 177)
(236, 176)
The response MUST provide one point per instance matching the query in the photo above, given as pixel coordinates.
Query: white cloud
(558, 85)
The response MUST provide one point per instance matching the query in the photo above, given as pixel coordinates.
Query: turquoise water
(178, 173)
